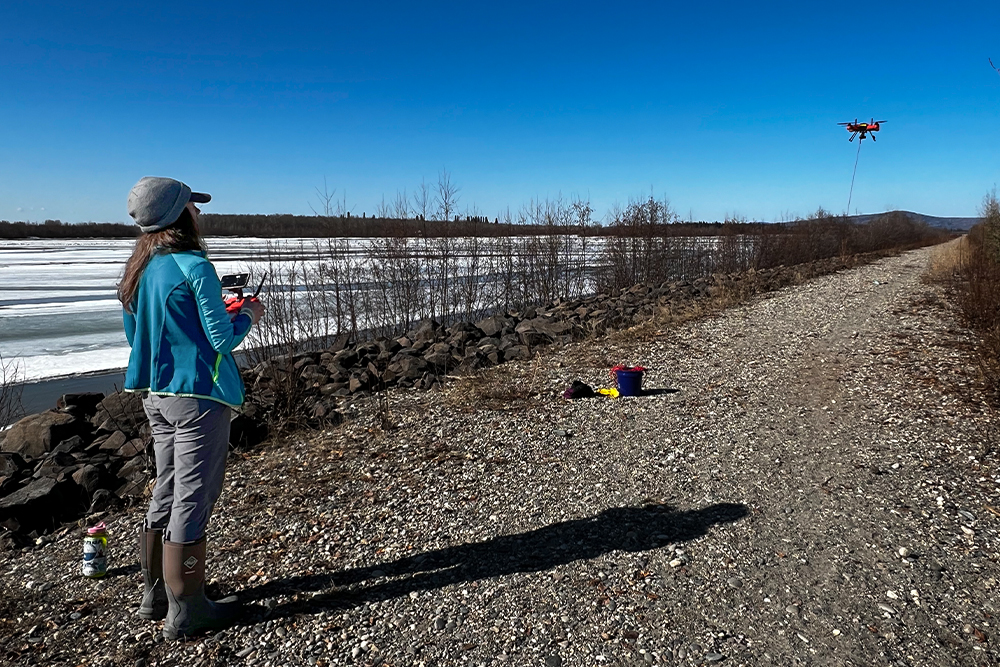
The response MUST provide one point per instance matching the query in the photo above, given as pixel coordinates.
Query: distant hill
(951, 224)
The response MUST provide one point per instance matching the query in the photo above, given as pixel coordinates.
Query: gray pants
(191, 441)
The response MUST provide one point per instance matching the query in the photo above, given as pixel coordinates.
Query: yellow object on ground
(613, 393)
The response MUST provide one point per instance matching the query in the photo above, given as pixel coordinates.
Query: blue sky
(724, 108)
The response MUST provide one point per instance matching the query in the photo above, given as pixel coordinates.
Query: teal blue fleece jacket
(181, 336)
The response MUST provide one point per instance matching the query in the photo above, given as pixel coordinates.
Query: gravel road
(810, 480)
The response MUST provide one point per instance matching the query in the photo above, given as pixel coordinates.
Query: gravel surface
(811, 480)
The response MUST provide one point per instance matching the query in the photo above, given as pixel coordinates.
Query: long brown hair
(181, 235)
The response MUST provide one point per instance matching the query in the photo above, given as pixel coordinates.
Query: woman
(182, 340)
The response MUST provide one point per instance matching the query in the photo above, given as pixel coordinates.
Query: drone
(863, 129)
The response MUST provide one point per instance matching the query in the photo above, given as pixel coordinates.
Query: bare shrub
(422, 200)
(327, 201)
(397, 274)
(446, 196)
(643, 245)
(11, 388)
(979, 287)
(309, 301)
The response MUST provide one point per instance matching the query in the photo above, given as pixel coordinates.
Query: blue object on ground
(629, 382)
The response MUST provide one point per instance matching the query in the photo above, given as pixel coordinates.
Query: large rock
(440, 357)
(133, 447)
(408, 367)
(389, 346)
(121, 411)
(36, 435)
(427, 330)
(302, 362)
(7, 485)
(517, 352)
(102, 501)
(247, 430)
(82, 404)
(343, 359)
(491, 353)
(113, 442)
(462, 338)
(40, 505)
(509, 340)
(495, 325)
(544, 325)
(327, 390)
(11, 464)
(340, 343)
(57, 465)
(135, 468)
(359, 381)
(313, 373)
(88, 478)
(69, 445)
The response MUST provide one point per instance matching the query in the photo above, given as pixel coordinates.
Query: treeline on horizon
(281, 225)
(548, 219)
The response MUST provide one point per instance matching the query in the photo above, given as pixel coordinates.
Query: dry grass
(672, 316)
(948, 260)
(506, 387)
(971, 266)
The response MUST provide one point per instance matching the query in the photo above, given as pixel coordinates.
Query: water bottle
(95, 552)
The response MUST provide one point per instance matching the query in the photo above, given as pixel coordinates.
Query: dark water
(40, 396)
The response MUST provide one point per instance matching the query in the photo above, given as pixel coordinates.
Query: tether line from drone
(852, 178)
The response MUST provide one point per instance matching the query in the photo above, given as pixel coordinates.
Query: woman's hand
(254, 308)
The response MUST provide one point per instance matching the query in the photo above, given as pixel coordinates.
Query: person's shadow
(618, 528)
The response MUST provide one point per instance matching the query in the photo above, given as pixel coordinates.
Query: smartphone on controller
(235, 281)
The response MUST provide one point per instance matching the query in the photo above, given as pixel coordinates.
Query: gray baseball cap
(155, 203)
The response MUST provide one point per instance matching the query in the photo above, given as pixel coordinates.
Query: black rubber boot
(154, 594)
(189, 611)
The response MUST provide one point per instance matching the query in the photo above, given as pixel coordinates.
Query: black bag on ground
(579, 390)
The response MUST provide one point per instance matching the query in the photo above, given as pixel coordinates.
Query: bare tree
(422, 200)
(473, 212)
(401, 206)
(383, 210)
(326, 201)
(446, 196)
(582, 212)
